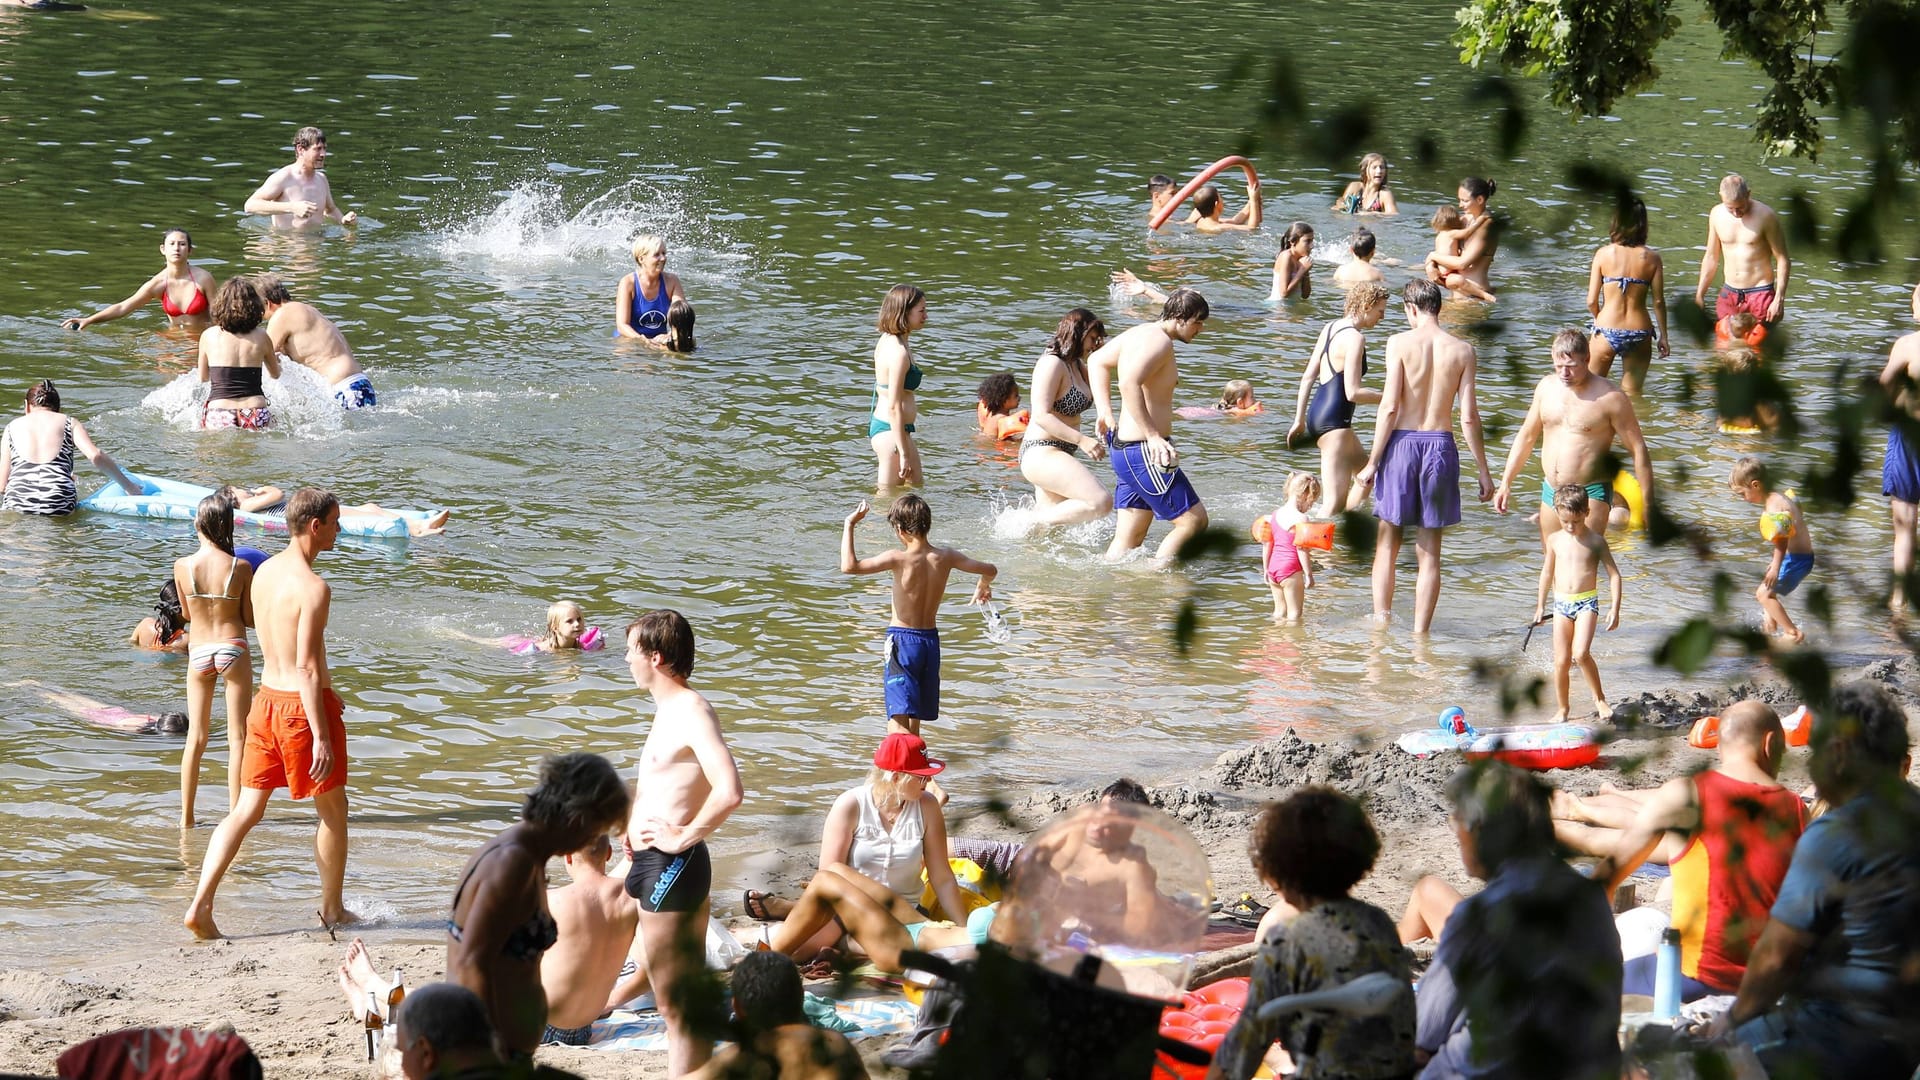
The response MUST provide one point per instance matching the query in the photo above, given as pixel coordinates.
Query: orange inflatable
(1799, 726)
(1314, 534)
(1202, 1019)
(1161, 215)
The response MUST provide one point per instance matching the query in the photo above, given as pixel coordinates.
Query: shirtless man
(686, 785)
(1900, 473)
(1101, 875)
(597, 920)
(1151, 484)
(297, 195)
(295, 738)
(1748, 234)
(1208, 208)
(1414, 455)
(1576, 416)
(305, 336)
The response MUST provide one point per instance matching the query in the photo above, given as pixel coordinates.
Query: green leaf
(1688, 647)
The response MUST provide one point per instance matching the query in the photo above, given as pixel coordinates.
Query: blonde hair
(647, 244)
(1740, 357)
(1234, 391)
(889, 788)
(1369, 160)
(1302, 481)
(1364, 296)
(556, 614)
(1447, 218)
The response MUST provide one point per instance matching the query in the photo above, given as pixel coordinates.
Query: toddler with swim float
(566, 629)
(1285, 537)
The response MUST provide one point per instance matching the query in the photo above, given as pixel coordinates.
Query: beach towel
(868, 1015)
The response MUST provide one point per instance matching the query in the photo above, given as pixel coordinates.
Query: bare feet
(1559, 717)
(337, 919)
(432, 526)
(200, 921)
(939, 793)
(1602, 710)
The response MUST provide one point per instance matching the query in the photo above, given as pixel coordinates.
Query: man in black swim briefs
(687, 784)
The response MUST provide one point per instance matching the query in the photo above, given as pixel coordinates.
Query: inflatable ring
(1705, 733)
(1629, 488)
(1161, 215)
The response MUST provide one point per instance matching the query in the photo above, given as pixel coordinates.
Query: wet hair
(1739, 357)
(1160, 182)
(1364, 296)
(680, 326)
(309, 136)
(1571, 500)
(1570, 343)
(1741, 323)
(1750, 468)
(766, 991)
(1298, 481)
(577, 791)
(272, 289)
(1367, 160)
(1075, 337)
(1733, 186)
(307, 506)
(996, 389)
(1505, 809)
(168, 619)
(214, 519)
(170, 723)
(1363, 243)
(42, 395)
(646, 244)
(182, 232)
(1860, 737)
(1207, 200)
(911, 515)
(665, 633)
(1233, 392)
(893, 310)
(1447, 218)
(450, 1017)
(1629, 224)
(1296, 232)
(556, 612)
(1422, 295)
(1479, 187)
(1125, 789)
(1185, 304)
(237, 308)
(1316, 842)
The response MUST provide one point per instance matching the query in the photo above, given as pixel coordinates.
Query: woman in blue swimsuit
(1627, 276)
(645, 296)
(895, 378)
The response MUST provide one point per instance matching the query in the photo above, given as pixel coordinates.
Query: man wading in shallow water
(295, 738)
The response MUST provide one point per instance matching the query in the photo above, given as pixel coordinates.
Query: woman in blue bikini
(895, 378)
(1627, 278)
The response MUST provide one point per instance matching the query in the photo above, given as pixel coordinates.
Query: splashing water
(302, 405)
(531, 226)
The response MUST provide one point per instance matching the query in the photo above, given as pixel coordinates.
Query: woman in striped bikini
(36, 458)
(216, 644)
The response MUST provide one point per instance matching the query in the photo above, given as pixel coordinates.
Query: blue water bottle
(1666, 976)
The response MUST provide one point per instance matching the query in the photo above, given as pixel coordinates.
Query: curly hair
(1316, 842)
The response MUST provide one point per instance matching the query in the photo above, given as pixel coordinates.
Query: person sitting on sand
(366, 992)
(881, 923)
(596, 921)
(267, 498)
(1728, 832)
(1526, 980)
(112, 717)
(773, 1040)
(1098, 873)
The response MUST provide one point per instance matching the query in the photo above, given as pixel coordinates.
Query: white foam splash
(531, 225)
(302, 405)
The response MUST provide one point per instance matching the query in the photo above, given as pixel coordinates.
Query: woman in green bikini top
(895, 378)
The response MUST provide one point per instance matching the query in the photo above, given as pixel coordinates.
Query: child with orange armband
(1739, 328)
(1283, 549)
(999, 411)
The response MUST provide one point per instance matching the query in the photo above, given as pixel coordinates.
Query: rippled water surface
(799, 159)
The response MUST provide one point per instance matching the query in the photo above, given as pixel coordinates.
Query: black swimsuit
(1329, 409)
(528, 941)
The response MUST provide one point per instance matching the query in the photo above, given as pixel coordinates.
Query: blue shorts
(580, 1036)
(912, 673)
(1900, 475)
(1142, 485)
(355, 392)
(1793, 570)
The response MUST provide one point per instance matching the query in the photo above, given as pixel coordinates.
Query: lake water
(799, 159)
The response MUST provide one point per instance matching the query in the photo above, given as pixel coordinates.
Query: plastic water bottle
(1666, 976)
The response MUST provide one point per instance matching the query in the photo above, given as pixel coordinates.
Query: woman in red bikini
(182, 289)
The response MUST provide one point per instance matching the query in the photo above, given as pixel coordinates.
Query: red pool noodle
(1161, 215)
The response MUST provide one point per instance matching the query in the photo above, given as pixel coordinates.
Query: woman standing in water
(500, 926)
(183, 290)
(1065, 492)
(36, 458)
(1475, 258)
(234, 354)
(1369, 194)
(217, 619)
(1622, 325)
(895, 378)
(1330, 388)
(644, 297)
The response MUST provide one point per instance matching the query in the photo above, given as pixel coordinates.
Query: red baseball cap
(902, 752)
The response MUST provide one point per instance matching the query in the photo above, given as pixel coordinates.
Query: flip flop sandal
(754, 903)
(825, 966)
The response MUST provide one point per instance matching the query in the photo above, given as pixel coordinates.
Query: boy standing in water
(1782, 526)
(1574, 556)
(920, 571)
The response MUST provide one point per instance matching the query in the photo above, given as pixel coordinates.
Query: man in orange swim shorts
(295, 738)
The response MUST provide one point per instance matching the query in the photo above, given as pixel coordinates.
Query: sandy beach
(279, 991)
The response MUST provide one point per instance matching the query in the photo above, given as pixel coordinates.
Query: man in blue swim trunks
(303, 335)
(1576, 417)
(1145, 464)
(1415, 460)
(1900, 474)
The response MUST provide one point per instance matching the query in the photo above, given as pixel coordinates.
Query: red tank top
(1726, 881)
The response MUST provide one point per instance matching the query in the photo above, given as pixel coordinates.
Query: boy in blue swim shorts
(1575, 553)
(1782, 526)
(920, 570)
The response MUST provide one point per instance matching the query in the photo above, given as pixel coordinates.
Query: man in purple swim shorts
(1145, 465)
(1900, 473)
(1415, 464)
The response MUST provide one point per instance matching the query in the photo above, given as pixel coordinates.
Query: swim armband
(1314, 534)
(1775, 524)
(592, 639)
